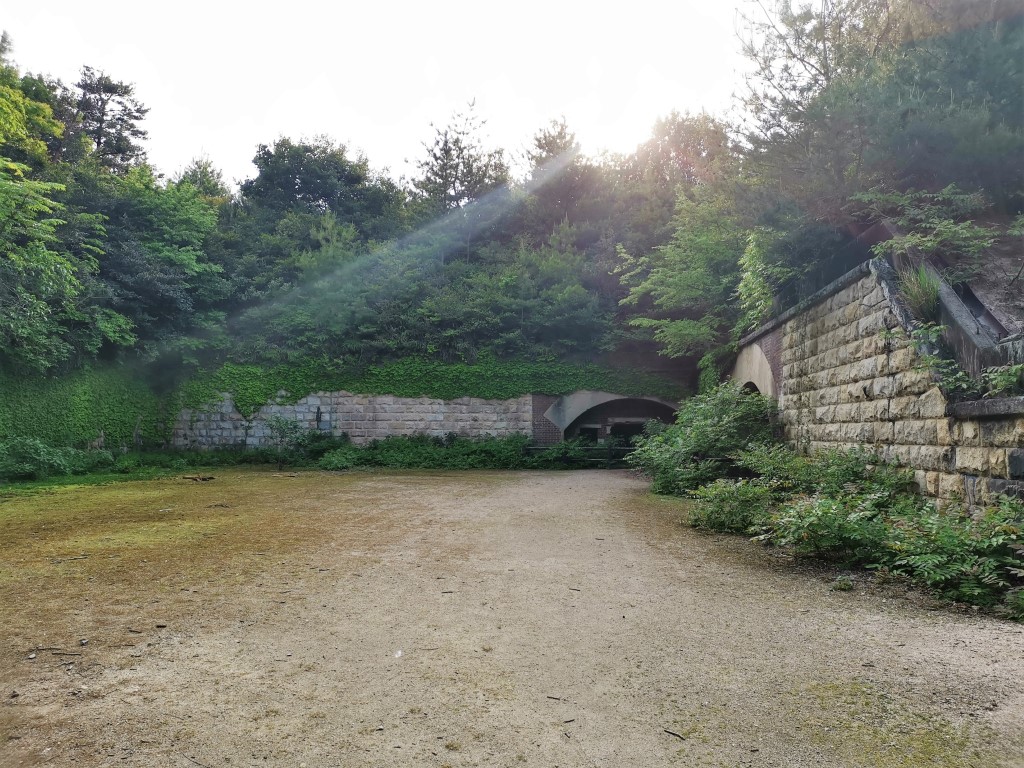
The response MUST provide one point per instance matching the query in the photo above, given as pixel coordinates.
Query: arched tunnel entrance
(600, 417)
(622, 419)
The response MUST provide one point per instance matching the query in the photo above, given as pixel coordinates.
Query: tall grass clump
(920, 289)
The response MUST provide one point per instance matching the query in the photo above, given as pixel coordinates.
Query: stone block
(932, 404)
(872, 324)
(1015, 464)
(951, 486)
(913, 382)
(1002, 433)
(973, 460)
(857, 432)
(900, 360)
(872, 298)
(883, 386)
(850, 393)
(967, 433)
(884, 432)
(916, 432)
(944, 432)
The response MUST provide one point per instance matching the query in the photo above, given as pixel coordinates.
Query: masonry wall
(362, 417)
(847, 383)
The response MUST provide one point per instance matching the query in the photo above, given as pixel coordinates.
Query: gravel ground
(471, 619)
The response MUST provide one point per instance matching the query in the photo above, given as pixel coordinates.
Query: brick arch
(753, 370)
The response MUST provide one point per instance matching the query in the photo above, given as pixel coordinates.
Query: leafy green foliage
(848, 528)
(851, 508)
(996, 381)
(454, 452)
(26, 458)
(932, 224)
(731, 506)
(970, 558)
(688, 283)
(253, 386)
(709, 429)
(77, 408)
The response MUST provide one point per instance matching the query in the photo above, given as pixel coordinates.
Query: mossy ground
(260, 612)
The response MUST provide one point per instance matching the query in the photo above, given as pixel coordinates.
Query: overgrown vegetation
(854, 111)
(997, 381)
(709, 429)
(920, 289)
(28, 459)
(252, 386)
(849, 508)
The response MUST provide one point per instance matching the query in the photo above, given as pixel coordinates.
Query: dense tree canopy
(853, 110)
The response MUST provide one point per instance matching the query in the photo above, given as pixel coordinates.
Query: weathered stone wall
(846, 383)
(362, 417)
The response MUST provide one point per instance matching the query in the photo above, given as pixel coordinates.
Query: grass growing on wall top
(252, 386)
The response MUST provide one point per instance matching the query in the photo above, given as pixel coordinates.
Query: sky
(222, 77)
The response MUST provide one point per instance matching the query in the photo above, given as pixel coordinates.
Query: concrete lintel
(993, 408)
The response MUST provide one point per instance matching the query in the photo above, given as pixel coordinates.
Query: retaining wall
(850, 378)
(362, 417)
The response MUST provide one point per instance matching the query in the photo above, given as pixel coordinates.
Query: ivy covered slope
(252, 386)
(73, 409)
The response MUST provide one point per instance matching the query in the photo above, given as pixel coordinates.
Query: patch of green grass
(866, 726)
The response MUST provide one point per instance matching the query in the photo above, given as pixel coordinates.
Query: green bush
(340, 458)
(426, 452)
(975, 559)
(852, 508)
(710, 428)
(26, 458)
(732, 506)
(849, 529)
(568, 454)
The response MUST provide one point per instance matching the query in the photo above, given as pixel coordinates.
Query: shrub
(850, 530)
(340, 458)
(426, 452)
(733, 506)
(26, 458)
(569, 454)
(710, 428)
(313, 444)
(833, 473)
(974, 559)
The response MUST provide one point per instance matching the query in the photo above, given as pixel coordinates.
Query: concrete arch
(568, 408)
(753, 369)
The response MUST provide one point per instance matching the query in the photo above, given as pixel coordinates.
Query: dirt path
(491, 619)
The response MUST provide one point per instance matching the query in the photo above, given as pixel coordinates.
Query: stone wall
(849, 383)
(362, 417)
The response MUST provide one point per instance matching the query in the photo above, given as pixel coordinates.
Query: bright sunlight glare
(377, 76)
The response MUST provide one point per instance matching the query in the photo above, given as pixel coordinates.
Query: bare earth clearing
(493, 619)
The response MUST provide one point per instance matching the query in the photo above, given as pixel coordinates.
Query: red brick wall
(544, 432)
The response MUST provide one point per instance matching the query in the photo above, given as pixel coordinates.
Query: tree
(457, 169)
(109, 115)
(205, 178)
(684, 289)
